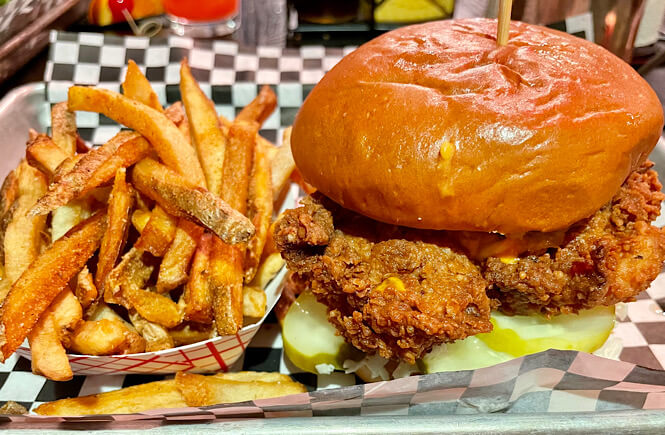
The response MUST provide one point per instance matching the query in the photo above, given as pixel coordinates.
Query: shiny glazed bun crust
(434, 126)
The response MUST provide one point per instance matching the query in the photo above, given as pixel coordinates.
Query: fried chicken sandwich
(455, 177)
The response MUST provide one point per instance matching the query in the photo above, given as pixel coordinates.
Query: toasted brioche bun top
(434, 126)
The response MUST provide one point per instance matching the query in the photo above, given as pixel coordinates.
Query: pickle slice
(310, 340)
(524, 335)
(468, 354)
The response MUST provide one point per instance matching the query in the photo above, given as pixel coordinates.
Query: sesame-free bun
(434, 126)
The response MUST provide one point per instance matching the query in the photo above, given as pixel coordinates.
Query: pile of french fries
(153, 240)
(185, 390)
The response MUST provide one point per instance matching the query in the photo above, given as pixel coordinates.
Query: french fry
(8, 205)
(93, 169)
(188, 333)
(132, 272)
(282, 164)
(66, 217)
(156, 336)
(133, 342)
(44, 154)
(182, 199)
(226, 261)
(200, 390)
(260, 108)
(137, 398)
(115, 237)
(254, 376)
(268, 147)
(137, 87)
(198, 294)
(253, 302)
(176, 114)
(153, 307)
(163, 135)
(140, 219)
(173, 269)
(105, 337)
(259, 210)
(158, 233)
(66, 166)
(49, 357)
(270, 267)
(204, 128)
(63, 126)
(23, 239)
(86, 291)
(47, 275)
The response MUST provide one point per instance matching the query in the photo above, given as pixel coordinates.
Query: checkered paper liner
(231, 75)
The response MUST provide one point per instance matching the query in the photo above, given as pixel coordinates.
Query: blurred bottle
(327, 11)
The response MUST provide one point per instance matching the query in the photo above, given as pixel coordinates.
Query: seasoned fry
(63, 126)
(137, 87)
(93, 169)
(105, 337)
(182, 199)
(164, 136)
(66, 217)
(86, 291)
(198, 294)
(188, 333)
(200, 390)
(254, 376)
(34, 291)
(137, 398)
(140, 219)
(153, 307)
(176, 113)
(268, 147)
(260, 108)
(133, 342)
(66, 166)
(115, 237)
(226, 262)
(271, 265)
(204, 128)
(259, 210)
(173, 270)
(44, 154)
(156, 336)
(48, 354)
(253, 302)
(23, 238)
(8, 205)
(282, 164)
(132, 272)
(158, 233)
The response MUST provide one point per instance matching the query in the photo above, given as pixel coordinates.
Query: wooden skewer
(505, 6)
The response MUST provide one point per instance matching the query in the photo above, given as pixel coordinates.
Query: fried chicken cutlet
(398, 291)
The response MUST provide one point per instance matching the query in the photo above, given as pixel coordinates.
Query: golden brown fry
(270, 267)
(65, 167)
(137, 398)
(176, 113)
(268, 147)
(260, 108)
(253, 302)
(93, 169)
(259, 210)
(63, 127)
(158, 233)
(182, 199)
(188, 333)
(48, 354)
(226, 262)
(8, 205)
(105, 337)
(198, 295)
(133, 342)
(153, 307)
(204, 128)
(86, 291)
(132, 272)
(254, 376)
(282, 164)
(173, 269)
(140, 219)
(66, 217)
(23, 238)
(115, 237)
(200, 390)
(137, 87)
(156, 336)
(44, 154)
(51, 271)
(163, 135)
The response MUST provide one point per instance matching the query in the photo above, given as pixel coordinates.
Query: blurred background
(632, 29)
